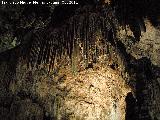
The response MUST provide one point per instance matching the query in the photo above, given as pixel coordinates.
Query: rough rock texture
(93, 94)
(71, 91)
(97, 92)
(104, 90)
(149, 46)
(148, 86)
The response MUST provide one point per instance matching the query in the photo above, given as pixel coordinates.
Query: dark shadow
(146, 75)
(130, 107)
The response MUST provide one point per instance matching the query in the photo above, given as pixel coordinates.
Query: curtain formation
(79, 31)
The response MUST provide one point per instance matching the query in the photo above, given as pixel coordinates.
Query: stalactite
(51, 65)
(83, 27)
(48, 52)
(85, 42)
(73, 56)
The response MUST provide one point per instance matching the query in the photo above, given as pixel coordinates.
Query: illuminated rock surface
(98, 81)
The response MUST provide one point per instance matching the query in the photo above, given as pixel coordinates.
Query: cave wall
(146, 51)
(71, 91)
(90, 90)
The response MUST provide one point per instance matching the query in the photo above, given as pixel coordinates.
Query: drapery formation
(77, 32)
